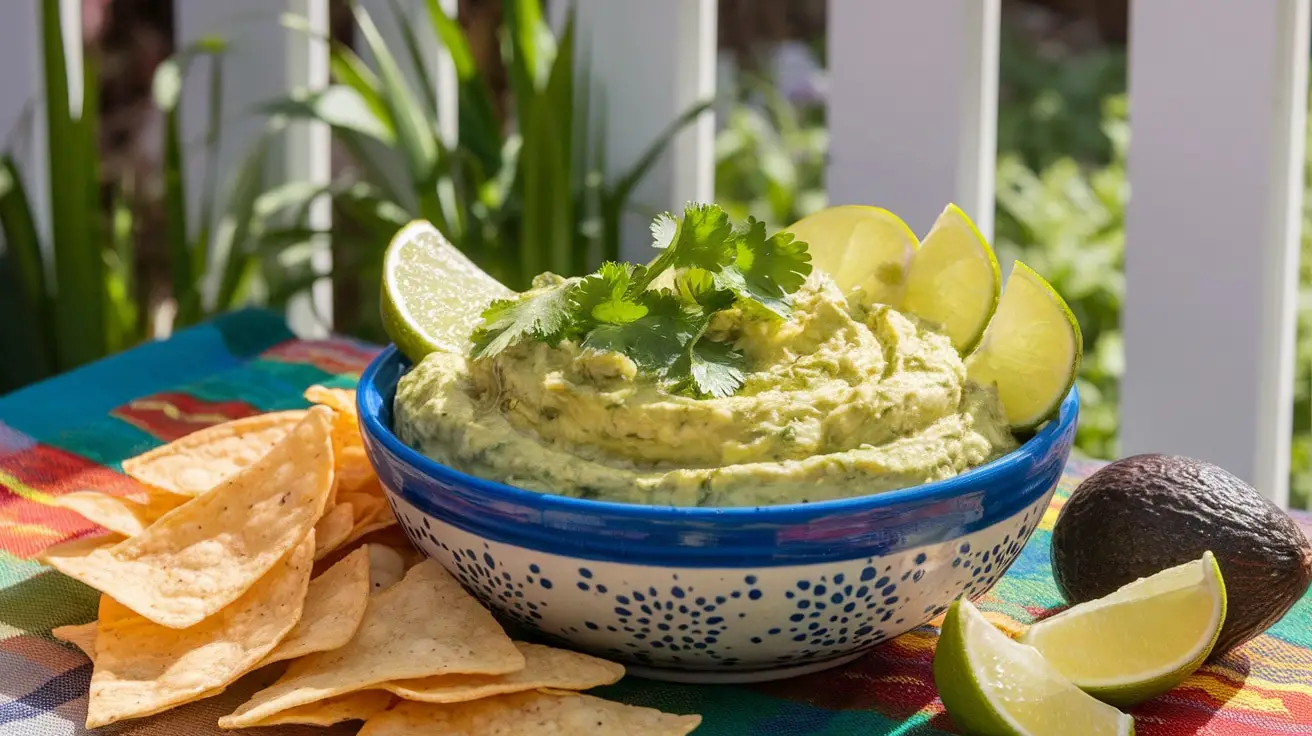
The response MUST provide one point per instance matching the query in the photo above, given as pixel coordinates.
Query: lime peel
(1143, 639)
(993, 686)
(954, 280)
(433, 296)
(1031, 350)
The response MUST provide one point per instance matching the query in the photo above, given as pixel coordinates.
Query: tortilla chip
(202, 460)
(395, 537)
(143, 668)
(334, 529)
(353, 468)
(544, 667)
(349, 707)
(367, 505)
(80, 547)
(386, 567)
(333, 609)
(118, 514)
(82, 636)
(528, 714)
(206, 553)
(424, 625)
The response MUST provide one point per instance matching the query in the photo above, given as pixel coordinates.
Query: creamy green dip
(840, 400)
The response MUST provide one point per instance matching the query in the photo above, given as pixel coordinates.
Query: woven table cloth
(71, 432)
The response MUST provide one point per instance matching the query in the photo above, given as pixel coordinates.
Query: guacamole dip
(840, 399)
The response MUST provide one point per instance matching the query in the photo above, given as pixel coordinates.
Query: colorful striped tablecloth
(71, 432)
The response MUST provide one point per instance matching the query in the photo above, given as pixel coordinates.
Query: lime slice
(993, 686)
(861, 248)
(1142, 640)
(954, 280)
(433, 296)
(1031, 350)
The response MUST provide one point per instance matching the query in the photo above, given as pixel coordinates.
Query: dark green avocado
(1141, 515)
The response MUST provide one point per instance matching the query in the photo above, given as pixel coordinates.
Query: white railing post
(265, 61)
(913, 106)
(22, 109)
(650, 61)
(1218, 101)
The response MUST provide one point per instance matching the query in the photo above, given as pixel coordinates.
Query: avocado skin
(1143, 514)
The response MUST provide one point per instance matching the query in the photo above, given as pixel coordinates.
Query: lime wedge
(1031, 350)
(993, 686)
(861, 248)
(433, 296)
(1142, 640)
(954, 280)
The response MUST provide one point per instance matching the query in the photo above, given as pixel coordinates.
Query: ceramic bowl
(716, 594)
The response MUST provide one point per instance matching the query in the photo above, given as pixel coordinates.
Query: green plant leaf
(427, 84)
(415, 130)
(232, 256)
(349, 69)
(79, 309)
(339, 106)
(540, 314)
(623, 187)
(29, 354)
(556, 106)
(479, 127)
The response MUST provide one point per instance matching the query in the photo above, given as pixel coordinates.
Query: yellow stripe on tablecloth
(23, 490)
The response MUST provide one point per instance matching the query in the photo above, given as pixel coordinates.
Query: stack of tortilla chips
(255, 542)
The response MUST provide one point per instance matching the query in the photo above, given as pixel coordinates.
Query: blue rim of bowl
(1014, 462)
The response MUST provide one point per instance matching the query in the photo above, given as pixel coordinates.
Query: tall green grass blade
(337, 105)
(365, 158)
(479, 127)
(556, 105)
(29, 354)
(79, 313)
(349, 69)
(119, 267)
(427, 85)
(415, 131)
(204, 229)
(188, 250)
(233, 257)
(166, 87)
(527, 53)
(623, 188)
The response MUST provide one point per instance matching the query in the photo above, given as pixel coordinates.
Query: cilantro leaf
(655, 341)
(541, 314)
(703, 238)
(716, 369)
(604, 296)
(664, 228)
(767, 270)
(698, 286)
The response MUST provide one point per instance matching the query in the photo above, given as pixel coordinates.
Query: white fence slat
(22, 109)
(650, 61)
(307, 155)
(1218, 99)
(913, 106)
(265, 61)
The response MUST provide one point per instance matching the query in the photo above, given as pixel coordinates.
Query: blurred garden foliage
(521, 189)
(1063, 132)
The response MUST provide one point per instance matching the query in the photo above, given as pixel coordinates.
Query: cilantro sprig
(715, 266)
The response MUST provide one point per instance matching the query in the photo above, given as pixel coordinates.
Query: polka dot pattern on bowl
(720, 619)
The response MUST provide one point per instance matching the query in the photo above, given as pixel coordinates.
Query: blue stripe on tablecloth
(53, 693)
(44, 409)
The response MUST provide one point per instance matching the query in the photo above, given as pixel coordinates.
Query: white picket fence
(1218, 107)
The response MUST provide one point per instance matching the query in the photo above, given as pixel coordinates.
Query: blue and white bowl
(716, 594)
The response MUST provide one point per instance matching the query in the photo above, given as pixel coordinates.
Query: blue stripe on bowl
(709, 537)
